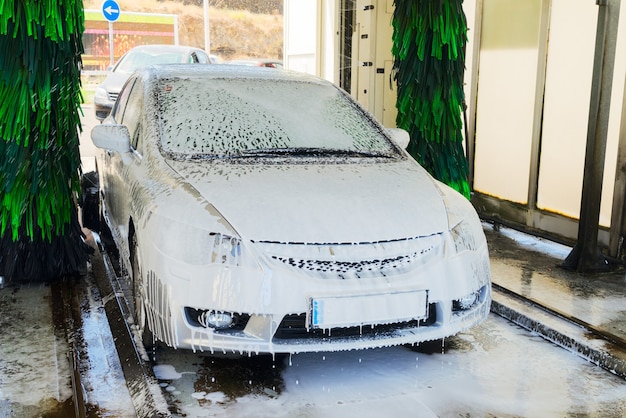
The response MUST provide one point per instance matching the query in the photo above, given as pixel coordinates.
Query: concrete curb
(560, 331)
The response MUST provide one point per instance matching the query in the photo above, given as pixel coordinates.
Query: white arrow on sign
(110, 10)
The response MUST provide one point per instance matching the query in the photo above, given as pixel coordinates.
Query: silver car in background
(137, 57)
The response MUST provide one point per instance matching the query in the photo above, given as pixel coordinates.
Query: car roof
(227, 71)
(253, 61)
(164, 47)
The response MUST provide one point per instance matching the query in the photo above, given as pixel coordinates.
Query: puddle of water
(192, 382)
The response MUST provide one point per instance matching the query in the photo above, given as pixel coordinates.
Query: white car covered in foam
(260, 210)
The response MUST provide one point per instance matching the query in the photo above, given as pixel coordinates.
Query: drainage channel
(592, 343)
(144, 389)
(596, 331)
(93, 371)
(64, 309)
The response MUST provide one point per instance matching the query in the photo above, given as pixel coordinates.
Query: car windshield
(137, 59)
(242, 118)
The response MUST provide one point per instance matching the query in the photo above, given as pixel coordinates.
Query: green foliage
(41, 49)
(429, 49)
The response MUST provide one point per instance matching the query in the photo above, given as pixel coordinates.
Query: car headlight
(463, 221)
(464, 237)
(225, 249)
(101, 95)
(196, 245)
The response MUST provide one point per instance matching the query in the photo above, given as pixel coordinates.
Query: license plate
(349, 311)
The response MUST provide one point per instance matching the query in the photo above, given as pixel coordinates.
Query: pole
(207, 34)
(111, 45)
(586, 257)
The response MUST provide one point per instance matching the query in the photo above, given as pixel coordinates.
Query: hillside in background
(233, 33)
(255, 6)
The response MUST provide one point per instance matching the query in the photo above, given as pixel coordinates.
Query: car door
(120, 167)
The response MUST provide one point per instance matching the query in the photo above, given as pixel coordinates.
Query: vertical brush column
(429, 50)
(41, 44)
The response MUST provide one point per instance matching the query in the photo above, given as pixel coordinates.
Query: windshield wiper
(205, 157)
(310, 152)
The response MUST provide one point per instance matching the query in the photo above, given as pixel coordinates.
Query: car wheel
(106, 238)
(139, 312)
(90, 201)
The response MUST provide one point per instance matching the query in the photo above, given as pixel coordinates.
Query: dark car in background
(140, 56)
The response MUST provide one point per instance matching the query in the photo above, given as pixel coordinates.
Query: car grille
(346, 268)
(295, 327)
(359, 260)
(113, 96)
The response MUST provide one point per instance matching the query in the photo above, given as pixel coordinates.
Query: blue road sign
(110, 10)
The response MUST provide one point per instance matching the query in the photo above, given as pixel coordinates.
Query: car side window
(136, 141)
(200, 58)
(121, 102)
(132, 114)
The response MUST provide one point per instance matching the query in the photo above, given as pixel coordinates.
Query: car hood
(333, 203)
(114, 82)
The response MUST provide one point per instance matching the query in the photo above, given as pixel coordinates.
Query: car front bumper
(364, 337)
(276, 310)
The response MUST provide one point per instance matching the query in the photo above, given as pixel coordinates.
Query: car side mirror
(400, 137)
(111, 137)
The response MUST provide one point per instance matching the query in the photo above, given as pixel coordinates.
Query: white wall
(301, 35)
(566, 105)
(509, 50)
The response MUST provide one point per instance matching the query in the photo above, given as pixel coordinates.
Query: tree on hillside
(254, 6)
(40, 237)
(429, 50)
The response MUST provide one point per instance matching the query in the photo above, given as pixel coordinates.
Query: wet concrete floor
(530, 267)
(40, 345)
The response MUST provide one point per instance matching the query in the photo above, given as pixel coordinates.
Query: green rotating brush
(41, 44)
(429, 50)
